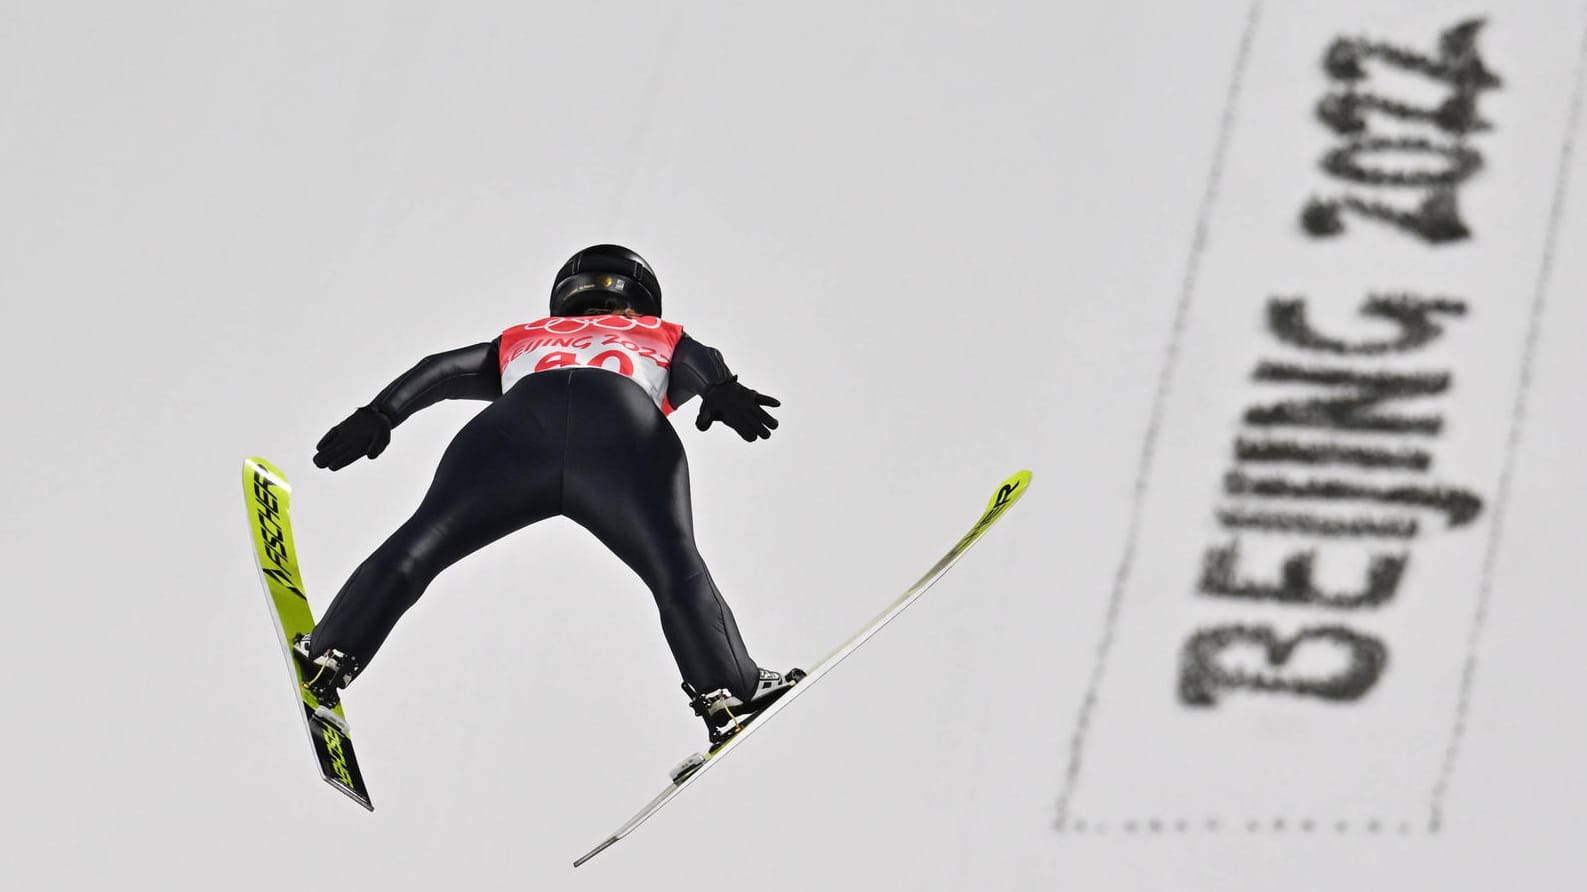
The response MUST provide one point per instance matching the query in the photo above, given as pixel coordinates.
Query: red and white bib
(637, 348)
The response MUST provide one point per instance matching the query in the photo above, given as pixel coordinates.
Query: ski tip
(258, 465)
(597, 850)
(1009, 491)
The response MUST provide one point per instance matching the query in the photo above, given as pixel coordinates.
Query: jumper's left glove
(364, 434)
(739, 408)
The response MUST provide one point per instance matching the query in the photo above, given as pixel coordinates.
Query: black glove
(739, 408)
(365, 433)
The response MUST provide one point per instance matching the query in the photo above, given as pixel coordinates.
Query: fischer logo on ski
(272, 538)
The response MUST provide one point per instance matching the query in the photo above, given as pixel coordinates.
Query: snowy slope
(955, 242)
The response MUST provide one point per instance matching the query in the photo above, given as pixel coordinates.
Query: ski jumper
(576, 427)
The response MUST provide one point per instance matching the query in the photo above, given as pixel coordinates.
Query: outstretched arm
(698, 370)
(468, 373)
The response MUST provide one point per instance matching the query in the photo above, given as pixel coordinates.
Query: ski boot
(324, 676)
(725, 714)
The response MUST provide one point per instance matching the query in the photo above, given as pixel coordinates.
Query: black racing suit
(585, 443)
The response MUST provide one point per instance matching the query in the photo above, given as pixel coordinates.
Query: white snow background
(950, 237)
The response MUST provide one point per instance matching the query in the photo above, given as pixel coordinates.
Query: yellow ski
(269, 501)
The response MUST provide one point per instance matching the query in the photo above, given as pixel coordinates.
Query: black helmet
(605, 277)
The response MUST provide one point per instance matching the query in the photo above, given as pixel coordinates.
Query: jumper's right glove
(739, 408)
(365, 433)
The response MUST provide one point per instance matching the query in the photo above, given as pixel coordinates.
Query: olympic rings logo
(575, 324)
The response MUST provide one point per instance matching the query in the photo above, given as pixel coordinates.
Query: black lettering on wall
(1334, 457)
(1330, 454)
(1349, 162)
(1346, 113)
(1350, 108)
(1203, 677)
(1348, 413)
(1436, 219)
(1460, 506)
(1287, 320)
(1457, 61)
(1309, 525)
(1220, 576)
